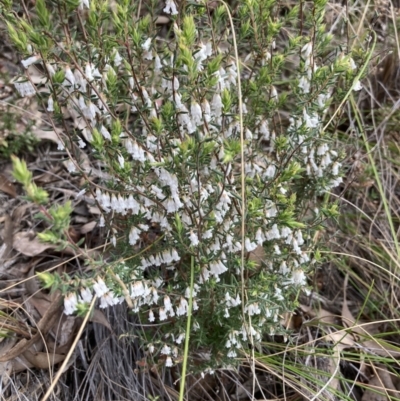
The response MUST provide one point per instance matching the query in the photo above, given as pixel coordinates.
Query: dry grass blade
(70, 352)
(43, 326)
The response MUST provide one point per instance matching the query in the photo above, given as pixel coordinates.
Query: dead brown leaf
(99, 317)
(27, 243)
(66, 334)
(7, 236)
(19, 213)
(46, 135)
(88, 227)
(341, 339)
(41, 304)
(381, 348)
(320, 314)
(43, 360)
(381, 386)
(7, 186)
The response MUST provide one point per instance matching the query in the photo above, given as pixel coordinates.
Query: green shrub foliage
(160, 109)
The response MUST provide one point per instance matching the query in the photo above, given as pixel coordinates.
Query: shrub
(217, 156)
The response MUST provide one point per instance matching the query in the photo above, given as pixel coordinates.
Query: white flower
(194, 292)
(217, 268)
(216, 105)
(253, 309)
(168, 362)
(208, 234)
(352, 64)
(357, 85)
(322, 99)
(304, 84)
(148, 55)
(84, 3)
(182, 308)
(311, 121)
(71, 166)
(70, 303)
(278, 294)
(134, 235)
(322, 149)
(80, 193)
(90, 111)
(180, 338)
(86, 295)
(117, 59)
(166, 350)
(307, 50)
(121, 161)
(163, 314)
(335, 168)
(204, 276)
(106, 134)
(326, 160)
(171, 85)
(194, 239)
(299, 238)
(137, 289)
(167, 304)
(283, 268)
(250, 246)
(204, 52)
(30, 60)
(135, 150)
(69, 77)
(81, 143)
(50, 104)
(232, 73)
(273, 233)
(270, 171)
(334, 183)
(207, 110)
(108, 299)
(285, 232)
(102, 221)
(100, 287)
(298, 277)
(172, 205)
(170, 8)
(274, 93)
(146, 45)
(174, 255)
(264, 130)
(89, 72)
(157, 63)
(92, 72)
(50, 69)
(196, 114)
(154, 295)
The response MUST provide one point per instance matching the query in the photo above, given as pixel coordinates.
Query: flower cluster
(163, 116)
